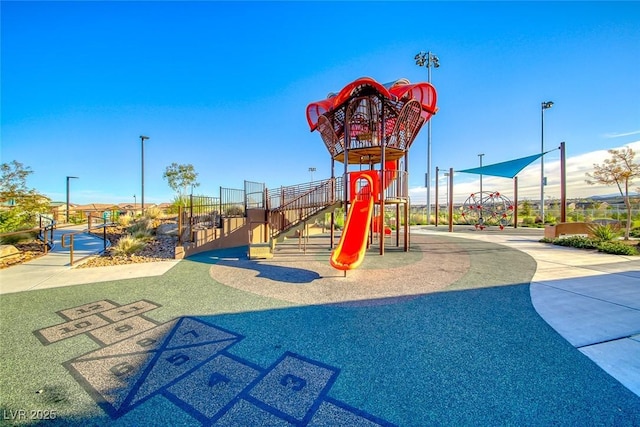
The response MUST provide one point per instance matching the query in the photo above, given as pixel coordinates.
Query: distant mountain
(612, 196)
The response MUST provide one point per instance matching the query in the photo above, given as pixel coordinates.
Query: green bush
(18, 238)
(617, 248)
(581, 242)
(528, 221)
(128, 245)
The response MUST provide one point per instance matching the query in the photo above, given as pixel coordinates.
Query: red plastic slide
(353, 242)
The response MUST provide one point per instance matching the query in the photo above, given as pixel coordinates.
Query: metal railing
(202, 212)
(45, 231)
(290, 206)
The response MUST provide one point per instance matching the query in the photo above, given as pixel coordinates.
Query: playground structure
(372, 125)
(493, 207)
(488, 208)
(366, 125)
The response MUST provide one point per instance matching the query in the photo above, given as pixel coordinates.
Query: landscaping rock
(8, 250)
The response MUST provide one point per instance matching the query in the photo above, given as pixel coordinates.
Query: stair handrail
(304, 205)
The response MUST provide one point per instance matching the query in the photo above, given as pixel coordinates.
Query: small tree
(180, 178)
(25, 203)
(526, 208)
(620, 170)
(13, 185)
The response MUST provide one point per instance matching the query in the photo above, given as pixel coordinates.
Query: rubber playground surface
(445, 334)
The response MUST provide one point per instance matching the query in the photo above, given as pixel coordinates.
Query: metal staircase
(289, 207)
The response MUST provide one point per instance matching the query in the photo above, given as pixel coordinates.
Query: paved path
(55, 269)
(590, 298)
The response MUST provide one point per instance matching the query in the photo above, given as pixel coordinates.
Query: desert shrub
(236, 210)
(125, 220)
(604, 232)
(152, 212)
(141, 229)
(127, 245)
(617, 248)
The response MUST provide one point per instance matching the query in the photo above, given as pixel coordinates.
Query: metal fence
(254, 193)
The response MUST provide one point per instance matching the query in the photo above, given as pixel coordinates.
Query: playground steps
(297, 227)
(261, 250)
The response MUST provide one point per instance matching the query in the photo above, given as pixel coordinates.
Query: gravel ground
(158, 248)
(28, 251)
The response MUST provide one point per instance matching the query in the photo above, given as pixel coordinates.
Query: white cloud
(529, 181)
(619, 135)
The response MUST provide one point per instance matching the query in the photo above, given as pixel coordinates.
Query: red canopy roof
(424, 93)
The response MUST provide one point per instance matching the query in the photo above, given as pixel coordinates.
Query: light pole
(481, 155)
(135, 202)
(68, 178)
(428, 59)
(312, 170)
(545, 105)
(142, 138)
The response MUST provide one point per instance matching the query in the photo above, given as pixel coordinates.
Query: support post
(437, 192)
(515, 202)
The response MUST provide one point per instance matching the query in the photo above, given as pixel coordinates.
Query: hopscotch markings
(127, 373)
(91, 316)
(87, 309)
(191, 332)
(129, 310)
(110, 380)
(186, 360)
(172, 365)
(293, 385)
(142, 343)
(217, 383)
(70, 329)
(121, 330)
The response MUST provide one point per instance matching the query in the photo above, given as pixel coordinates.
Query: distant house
(96, 210)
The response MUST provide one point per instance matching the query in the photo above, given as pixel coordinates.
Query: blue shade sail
(507, 169)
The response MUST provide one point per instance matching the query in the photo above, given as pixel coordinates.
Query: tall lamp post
(428, 59)
(545, 105)
(68, 178)
(142, 138)
(311, 171)
(481, 155)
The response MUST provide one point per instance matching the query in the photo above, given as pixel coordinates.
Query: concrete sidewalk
(55, 269)
(590, 298)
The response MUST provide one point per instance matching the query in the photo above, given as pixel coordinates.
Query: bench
(554, 231)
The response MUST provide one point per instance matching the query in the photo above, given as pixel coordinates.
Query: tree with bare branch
(619, 170)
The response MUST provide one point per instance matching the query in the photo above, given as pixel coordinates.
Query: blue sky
(224, 86)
